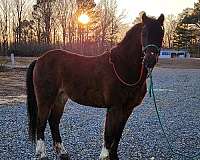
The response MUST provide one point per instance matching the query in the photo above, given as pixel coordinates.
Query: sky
(153, 7)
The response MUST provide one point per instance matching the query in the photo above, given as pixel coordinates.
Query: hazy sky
(153, 7)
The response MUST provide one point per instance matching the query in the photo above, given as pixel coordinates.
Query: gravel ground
(178, 97)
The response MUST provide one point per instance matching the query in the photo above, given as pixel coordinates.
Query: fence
(15, 62)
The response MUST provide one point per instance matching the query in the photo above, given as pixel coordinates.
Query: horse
(115, 80)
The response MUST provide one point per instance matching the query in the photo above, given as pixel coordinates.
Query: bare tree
(109, 22)
(1, 34)
(4, 7)
(104, 20)
(116, 23)
(43, 13)
(38, 26)
(65, 10)
(20, 5)
(170, 27)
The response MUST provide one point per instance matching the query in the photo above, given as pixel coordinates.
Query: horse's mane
(128, 38)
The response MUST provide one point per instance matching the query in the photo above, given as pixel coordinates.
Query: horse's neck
(130, 49)
(131, 55)
(127, 55)
(128, 62)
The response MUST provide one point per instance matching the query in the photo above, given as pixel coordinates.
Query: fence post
(12, 60)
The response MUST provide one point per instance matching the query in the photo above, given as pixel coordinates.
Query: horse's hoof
(41, 158)
(44, 158)
(105, 158)
(64, 157)
(114, 158)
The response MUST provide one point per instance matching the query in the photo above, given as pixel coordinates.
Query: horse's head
(151, 36)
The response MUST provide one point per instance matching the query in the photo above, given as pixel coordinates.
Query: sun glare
(84, 19)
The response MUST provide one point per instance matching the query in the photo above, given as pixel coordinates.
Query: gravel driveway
(178, 97)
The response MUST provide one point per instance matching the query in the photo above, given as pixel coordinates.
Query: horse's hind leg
(43, 113)
(116, 119)
(54, 121)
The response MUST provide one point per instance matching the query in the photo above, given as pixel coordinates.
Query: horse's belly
(88, 102)
(94, 99)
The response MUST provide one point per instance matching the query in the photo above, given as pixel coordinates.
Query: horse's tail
(31, 102)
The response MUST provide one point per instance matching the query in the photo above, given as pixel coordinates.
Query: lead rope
(151, 93)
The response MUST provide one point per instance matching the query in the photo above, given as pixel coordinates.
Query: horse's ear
(161, 19)
(144, 17)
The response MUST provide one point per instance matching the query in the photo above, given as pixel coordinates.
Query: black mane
(134, 31)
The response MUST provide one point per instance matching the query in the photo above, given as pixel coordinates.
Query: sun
(84, 18)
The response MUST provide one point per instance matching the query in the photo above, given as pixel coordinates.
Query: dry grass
(3, 61)
(12, 86)
(23, 61)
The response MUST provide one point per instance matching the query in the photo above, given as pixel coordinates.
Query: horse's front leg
(116, 119)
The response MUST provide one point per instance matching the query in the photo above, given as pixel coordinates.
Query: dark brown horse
(115, 80)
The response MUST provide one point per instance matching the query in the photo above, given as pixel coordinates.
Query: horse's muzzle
(151, 53)
(150, 59)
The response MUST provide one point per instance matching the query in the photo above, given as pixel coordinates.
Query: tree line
(30, 27)
(183, 31)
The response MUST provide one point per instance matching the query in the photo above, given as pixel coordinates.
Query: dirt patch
(12, 86)
(192, 63)
(12, 82)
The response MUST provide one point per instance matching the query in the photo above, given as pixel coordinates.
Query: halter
(151, 45)
(141, 71)
(144, 51)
